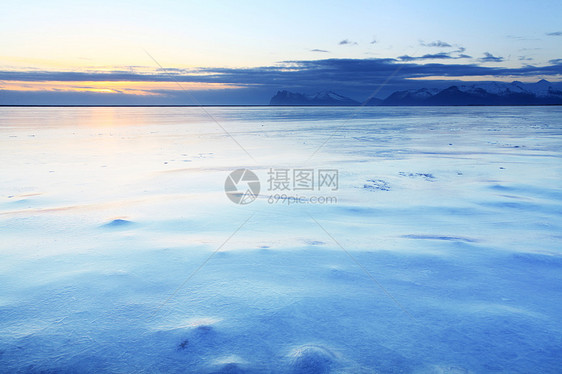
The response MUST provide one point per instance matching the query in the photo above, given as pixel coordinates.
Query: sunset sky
(226, 52)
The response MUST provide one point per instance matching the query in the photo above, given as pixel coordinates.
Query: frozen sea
(439, 251)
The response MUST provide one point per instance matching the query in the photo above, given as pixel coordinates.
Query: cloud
(525, 58)
(520, 38)
(437, 43)
(347, 42)
(442, 55)
(351, 77)
(556, 33)
(319, 50)
(294, 72)
(488, 57)
(455, 54)
(432, 56)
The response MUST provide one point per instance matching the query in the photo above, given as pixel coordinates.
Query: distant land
(542, 92)
(321, 98)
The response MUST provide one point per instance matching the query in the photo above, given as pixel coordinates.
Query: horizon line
(245, 105)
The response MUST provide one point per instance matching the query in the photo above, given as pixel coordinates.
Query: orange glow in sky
(122, 87)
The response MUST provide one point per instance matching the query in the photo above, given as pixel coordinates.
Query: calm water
(438, 252)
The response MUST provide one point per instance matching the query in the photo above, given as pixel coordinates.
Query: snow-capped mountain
(485, 93)
(410, 97)
(542, 92)
(541, 88)
(321, 98)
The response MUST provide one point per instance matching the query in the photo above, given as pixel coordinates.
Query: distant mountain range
(490, 93)
(320, 98)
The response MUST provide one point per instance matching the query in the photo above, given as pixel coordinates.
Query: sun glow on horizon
(148, 88)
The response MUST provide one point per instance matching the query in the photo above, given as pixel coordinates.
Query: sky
(243, 52)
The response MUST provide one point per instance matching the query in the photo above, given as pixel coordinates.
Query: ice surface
(441, 255)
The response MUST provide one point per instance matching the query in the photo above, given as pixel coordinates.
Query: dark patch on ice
(183, 345)
(500, 187)
(21, 202)
(264, 246)
(311, 359)
(376, 184)
(203, 332)
(314, 242)
(513, 205)
(530, 191)
(440, 237)
(426, 176)
(356, 210)
(118, 223)
(514, 197)
(204, 329)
